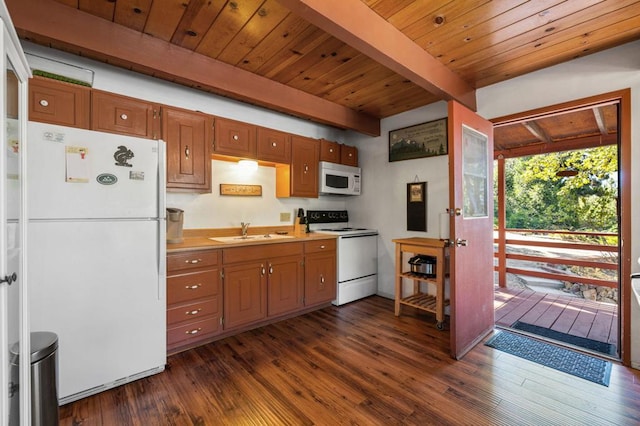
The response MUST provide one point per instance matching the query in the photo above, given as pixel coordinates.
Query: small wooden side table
(428, 247)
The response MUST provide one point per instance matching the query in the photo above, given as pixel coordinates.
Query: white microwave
(338, 179)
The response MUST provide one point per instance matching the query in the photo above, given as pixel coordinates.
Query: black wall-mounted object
(417, 206)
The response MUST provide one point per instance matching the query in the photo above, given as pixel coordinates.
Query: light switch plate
(285, 217)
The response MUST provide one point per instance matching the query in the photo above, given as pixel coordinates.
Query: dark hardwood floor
(357, 365)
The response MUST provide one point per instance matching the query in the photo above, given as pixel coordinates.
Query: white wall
(383, 206)
(213, 210)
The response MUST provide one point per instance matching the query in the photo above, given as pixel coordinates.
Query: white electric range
(357, 254)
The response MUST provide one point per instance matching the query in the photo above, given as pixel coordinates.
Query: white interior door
(15, 389)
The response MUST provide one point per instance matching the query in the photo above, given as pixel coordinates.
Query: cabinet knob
(236, 137)
(124, 116)
(44, 103)
(274, 144)
(322, 247)
(330, 149)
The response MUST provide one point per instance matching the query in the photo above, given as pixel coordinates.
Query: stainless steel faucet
(245, 228)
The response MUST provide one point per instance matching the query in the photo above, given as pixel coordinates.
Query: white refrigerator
(96, 254)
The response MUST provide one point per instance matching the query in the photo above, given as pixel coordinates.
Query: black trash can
(44, 380)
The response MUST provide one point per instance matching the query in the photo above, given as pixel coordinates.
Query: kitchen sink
(239, 239)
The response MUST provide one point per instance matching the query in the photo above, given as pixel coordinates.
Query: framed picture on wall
(422, 140)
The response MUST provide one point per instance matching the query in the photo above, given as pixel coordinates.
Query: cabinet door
(320, 283)
(285, 285)
(187, 134)
(349, 155)
(234, 138)
(127, 116)
(245, 294)
(274, 146)
(57, 102)
(305, 154)
(329, 151)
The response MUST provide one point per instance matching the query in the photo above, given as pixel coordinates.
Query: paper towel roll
(444, 226)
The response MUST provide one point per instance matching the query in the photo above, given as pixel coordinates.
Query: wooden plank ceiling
(347, 63)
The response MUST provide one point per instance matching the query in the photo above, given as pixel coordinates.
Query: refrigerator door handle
(162, 179)
(162, 217)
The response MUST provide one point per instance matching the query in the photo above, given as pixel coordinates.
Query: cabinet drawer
(260, 252)
(320, 246)
(193, 311)
(192, 260)
(192, 331)
(187, 287)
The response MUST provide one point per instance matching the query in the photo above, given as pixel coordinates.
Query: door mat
(580, 365)
(582, 342)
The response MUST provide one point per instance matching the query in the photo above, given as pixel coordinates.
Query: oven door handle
(359, 235)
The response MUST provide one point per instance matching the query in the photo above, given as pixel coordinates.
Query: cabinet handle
(321, 278)
(193, 261)
(194, 331)
(270, 269)
(236, 137)
(186, 152)
(193, 287)
(44, 103)
(123, 116)
(262, 270)
(194, 312)
(306, 168)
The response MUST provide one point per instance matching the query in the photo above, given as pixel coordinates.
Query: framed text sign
(422, 140)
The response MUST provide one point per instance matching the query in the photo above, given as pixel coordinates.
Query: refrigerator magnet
(77, 164)
(136, 175)
(122, 156)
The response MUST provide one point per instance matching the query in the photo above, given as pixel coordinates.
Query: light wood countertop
(199, 239)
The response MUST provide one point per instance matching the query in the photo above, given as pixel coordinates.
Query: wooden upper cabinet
(234, 138)
(274, 146)
(58, 102)
(188, 136)
(349, 155)
(124, 115)
(329, 151)
(300, 179)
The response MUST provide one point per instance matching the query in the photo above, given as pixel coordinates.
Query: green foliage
(537, 198)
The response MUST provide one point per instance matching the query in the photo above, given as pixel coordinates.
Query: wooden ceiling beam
(559, 146)
(357, 25)
(536, 131)
(71, 27)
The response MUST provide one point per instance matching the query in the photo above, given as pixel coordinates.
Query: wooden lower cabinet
(194, 298)
(215, 293)
(320, 280)
(245, 294)
(261, 281)
(285, 286)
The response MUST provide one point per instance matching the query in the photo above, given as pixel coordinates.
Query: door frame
(623, 97)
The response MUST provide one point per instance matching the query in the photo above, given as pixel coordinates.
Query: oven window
(334, 181)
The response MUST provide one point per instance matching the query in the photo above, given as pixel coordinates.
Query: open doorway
(569, 280)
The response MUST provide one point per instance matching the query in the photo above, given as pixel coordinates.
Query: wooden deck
(575, 316)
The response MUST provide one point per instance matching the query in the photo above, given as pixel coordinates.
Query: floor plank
(357, 364)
